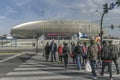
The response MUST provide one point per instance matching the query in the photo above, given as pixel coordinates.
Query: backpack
(84, 50)
(65, 50)
(78, 50)
(106, 53)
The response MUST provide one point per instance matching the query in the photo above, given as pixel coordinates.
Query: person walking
(115, 56)
(47, 51)
(53, 48)
(84, 55)
(92, 56)
(99, 54)
(72, 52)
(78, 52)
(60, 52)
(106, 57)
(66, 51)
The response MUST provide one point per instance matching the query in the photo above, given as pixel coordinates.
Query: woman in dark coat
(66, 51)
(47, 51)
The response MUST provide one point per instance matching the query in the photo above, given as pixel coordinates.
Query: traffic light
(112, 26)
(105, 8)
(118, 2)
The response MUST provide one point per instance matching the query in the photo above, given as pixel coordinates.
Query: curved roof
(59, 27)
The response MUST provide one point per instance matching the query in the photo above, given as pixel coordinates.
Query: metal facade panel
(68, 27)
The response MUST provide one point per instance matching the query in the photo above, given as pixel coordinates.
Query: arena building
(53, 28)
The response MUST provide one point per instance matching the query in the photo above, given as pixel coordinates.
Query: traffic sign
(112, 5)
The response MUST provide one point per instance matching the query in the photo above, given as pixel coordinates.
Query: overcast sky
(15, 12)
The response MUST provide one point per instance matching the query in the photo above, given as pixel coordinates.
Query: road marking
(20, 69)
(32, 65)
(10, 57)
(38, 78)
(44, 68)
(44, 72)
(28, 73)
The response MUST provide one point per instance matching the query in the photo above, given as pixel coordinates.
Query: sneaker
(101, 74)
(118, 73)
(94, 78)
(91, 74)
(79, 69)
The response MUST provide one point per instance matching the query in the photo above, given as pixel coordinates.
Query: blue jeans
(78, 60)
(93, 64)
(53, 54)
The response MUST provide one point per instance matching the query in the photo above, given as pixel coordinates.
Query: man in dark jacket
(114, 55)
(106, 57)
(53, 48)
(78, 53)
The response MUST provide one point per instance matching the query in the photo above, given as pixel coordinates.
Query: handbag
(72, 55)
(88, 67)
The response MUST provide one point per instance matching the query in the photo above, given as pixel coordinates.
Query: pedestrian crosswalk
(41, 70)
(38, 69)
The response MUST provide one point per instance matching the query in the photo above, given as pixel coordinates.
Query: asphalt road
(34, 67)
(8, 65)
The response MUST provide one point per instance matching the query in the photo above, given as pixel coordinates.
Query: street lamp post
(93, 13)
(37, 38)
(43, 30)
(42, 24)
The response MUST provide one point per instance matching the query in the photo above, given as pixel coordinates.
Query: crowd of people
(81, 52)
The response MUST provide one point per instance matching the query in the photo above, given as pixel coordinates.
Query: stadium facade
(54, 28)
